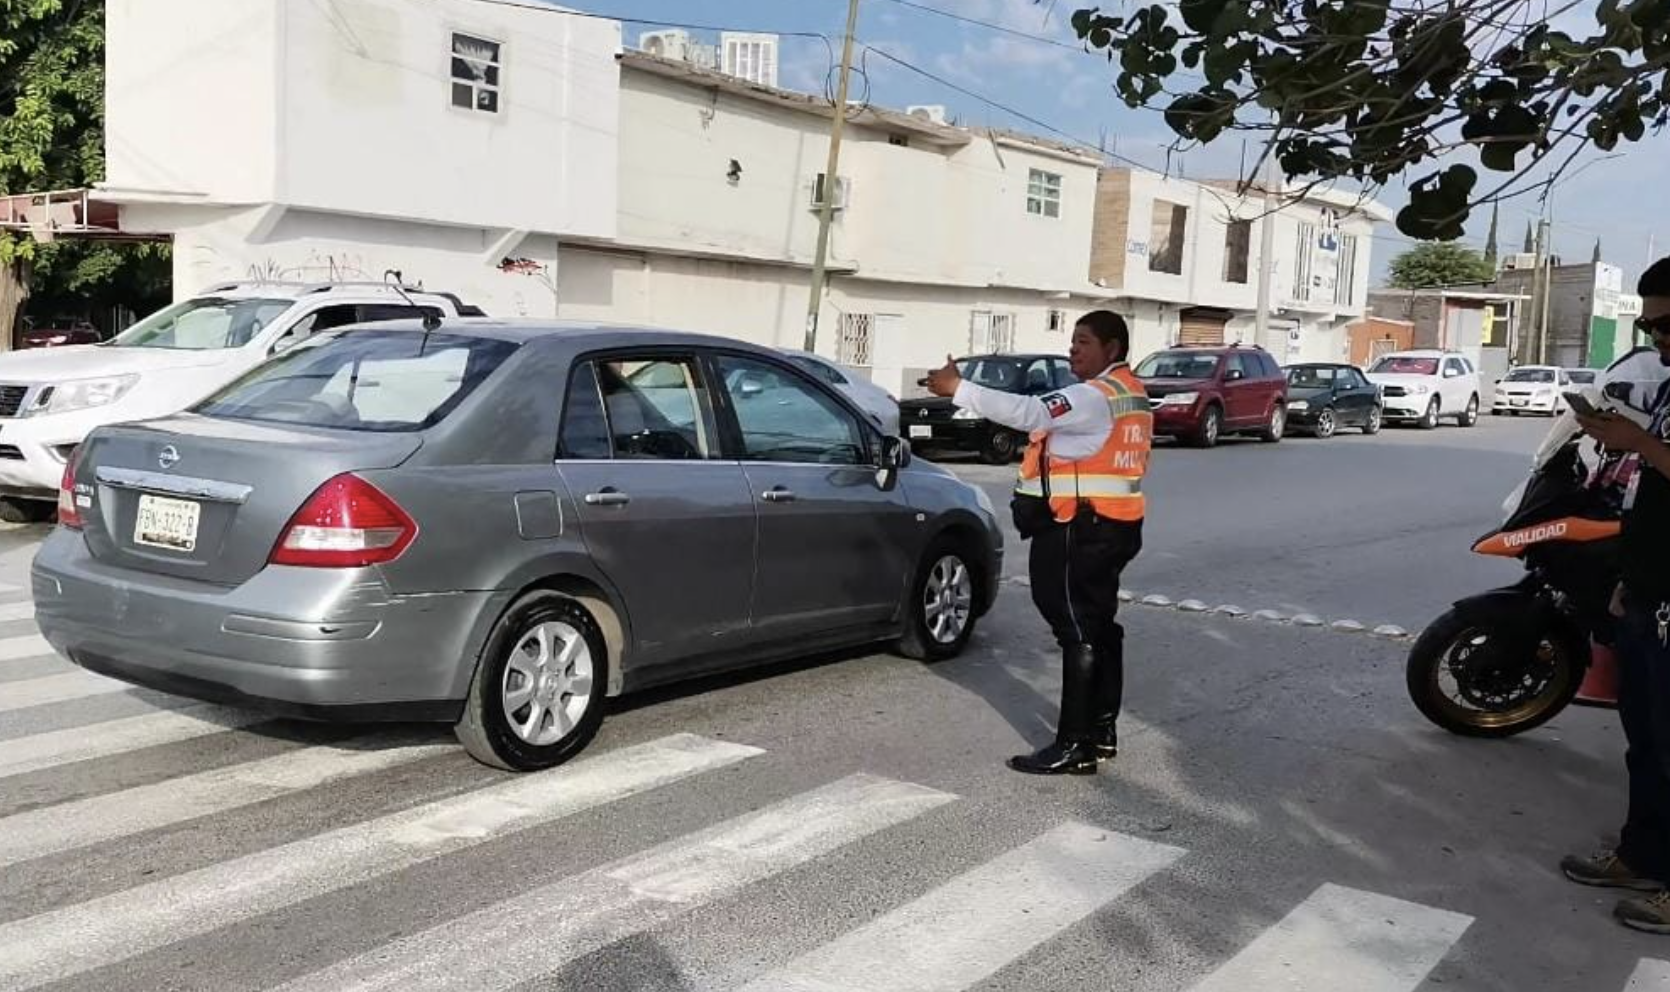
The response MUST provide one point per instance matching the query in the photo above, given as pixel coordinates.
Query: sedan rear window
(363, 381)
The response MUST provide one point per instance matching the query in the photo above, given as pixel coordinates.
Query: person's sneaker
(1649, 914)
(1607, 870)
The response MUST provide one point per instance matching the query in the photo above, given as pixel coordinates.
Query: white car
(1532, 389)
(1425, 386)
(866, 395)
(51, 398)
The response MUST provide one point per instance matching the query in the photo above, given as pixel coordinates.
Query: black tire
(1326, 423)
(486, 730)
(26, 511)
(1376, 420)
(1451, 633)
(1429, 420)
(919, 641)
(1210, 430)
(1470, 416)
(1276, 427)
(1001, 447)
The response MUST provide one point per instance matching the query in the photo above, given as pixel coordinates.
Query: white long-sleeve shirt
(1077, 418)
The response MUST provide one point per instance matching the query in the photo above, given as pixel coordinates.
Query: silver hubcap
(1325, 423)
(1374, 420)
(1278, 420)
(1211, 427)
(547, 683)
(948, 599)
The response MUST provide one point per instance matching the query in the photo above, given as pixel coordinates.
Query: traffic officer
(1079, 500)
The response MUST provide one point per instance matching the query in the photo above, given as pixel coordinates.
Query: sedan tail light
(347, 523)
(69, 515)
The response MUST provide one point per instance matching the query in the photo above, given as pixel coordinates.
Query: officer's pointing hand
(944, 382)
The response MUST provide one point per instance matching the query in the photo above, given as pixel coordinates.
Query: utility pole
(831, 183)
(1266, 255)
(1545, 268)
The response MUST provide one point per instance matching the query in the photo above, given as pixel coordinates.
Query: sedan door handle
(608, 497)
(778, 495)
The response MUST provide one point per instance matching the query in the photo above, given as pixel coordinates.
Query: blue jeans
(1644, 711)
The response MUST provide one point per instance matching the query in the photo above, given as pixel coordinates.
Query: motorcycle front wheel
(1466, 676)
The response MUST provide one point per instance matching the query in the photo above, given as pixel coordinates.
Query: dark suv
(935, 424)
(1199, 394)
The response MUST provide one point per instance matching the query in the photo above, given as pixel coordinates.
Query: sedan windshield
(1178, 365)
(363, 381)
(1531, 375)
(1310, 377)
(993, 373)
(1406, 366)
(204, 324)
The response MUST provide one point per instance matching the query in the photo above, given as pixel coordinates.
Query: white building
(518, 157)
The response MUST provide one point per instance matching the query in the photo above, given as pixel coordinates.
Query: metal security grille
(857, 336)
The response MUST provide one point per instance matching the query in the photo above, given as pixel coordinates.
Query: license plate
(167, 523)
(921, 430)
(1520, 402)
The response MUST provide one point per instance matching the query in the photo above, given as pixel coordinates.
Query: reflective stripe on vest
(1087, 486)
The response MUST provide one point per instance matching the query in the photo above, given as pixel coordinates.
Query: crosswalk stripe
(1343, 938)
(27, 646)
(24, 693)
(38, 752)
(67, 826)
(102, 931)
(13, 612)
(1650, 976)
(970, 927)
(505, 945)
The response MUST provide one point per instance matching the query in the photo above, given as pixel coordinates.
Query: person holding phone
(1641, 861)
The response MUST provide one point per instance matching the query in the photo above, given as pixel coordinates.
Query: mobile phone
(1580, 404)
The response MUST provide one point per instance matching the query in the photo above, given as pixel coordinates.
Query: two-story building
(519, 156)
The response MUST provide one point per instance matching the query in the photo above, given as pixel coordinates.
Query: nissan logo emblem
(168, 457)
(923, 413)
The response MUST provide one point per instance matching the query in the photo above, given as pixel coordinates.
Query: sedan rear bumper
(311, 643)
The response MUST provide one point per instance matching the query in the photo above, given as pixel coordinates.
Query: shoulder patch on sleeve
(1058, 405)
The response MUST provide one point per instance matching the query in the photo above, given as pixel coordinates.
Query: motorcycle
(1505, 661)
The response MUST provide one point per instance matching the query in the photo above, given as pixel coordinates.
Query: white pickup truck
(51, 398)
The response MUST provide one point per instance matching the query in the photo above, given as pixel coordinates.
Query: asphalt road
(1279, 817)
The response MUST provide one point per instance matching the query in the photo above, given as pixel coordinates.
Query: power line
(989, 25)
(656, 23)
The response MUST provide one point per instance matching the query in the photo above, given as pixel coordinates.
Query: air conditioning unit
(666, 44)
(843, 190)
(929, 112)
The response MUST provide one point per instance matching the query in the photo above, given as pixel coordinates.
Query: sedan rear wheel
(537, 697)
(940, 614)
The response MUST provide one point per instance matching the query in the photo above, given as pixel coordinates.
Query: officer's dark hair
(1109, 329)
(1656, 280)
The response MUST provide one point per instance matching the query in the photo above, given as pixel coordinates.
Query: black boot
(1072, 752)
(1110, 693)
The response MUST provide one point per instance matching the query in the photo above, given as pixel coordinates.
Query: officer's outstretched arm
(1077, 409)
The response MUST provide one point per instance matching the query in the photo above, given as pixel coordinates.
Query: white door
(1456, 387)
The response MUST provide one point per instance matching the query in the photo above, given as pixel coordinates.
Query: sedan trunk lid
(206, 498)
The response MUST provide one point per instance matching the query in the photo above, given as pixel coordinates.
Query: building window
(1058, 321)
(1302, 262)
(1237, 250)
(991, 333)
(1165, 240)
(857, 335)
(1345, 278)
(476, 65)
(1043, 193)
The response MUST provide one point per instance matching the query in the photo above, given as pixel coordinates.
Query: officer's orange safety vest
(1111, 479)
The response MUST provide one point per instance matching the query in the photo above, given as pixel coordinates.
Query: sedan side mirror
(894, 456)
(750, 386)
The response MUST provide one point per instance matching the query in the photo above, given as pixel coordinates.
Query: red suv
(1201, 393)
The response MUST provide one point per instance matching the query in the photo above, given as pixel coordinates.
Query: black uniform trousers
(1644, 711)
(1075, 569)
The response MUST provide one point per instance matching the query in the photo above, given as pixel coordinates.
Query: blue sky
(1621, 200)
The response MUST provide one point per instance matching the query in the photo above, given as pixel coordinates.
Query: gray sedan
(502, 526)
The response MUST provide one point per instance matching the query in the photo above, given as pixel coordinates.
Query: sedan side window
(585, 427)
(785, 419)
(654, 408)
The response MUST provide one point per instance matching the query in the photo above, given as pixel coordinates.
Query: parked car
(935, 424)
(500, 526)
(1322, 397)
(871, 398)
(1425, 386)
(51, 398)
(1582, 377)
(1200, 393)
(55, 332)
(1531, 389)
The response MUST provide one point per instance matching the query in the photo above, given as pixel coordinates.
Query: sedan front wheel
(940, 613)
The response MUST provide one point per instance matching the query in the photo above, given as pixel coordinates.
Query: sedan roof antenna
(431, 319)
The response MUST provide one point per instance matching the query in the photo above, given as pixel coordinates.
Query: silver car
(871, 398)
(501, 526)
